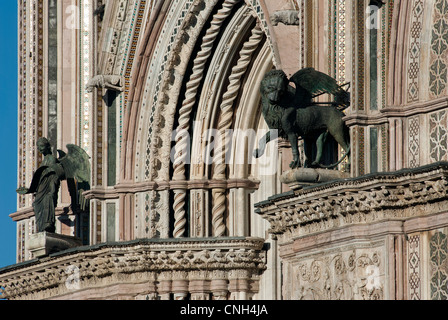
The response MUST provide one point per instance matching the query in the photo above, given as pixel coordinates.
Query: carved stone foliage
(351, 275)
(403, 194)
(156, 262)
(152, 222)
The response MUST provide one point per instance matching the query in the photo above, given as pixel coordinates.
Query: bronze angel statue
(74, 167)
(293, 112)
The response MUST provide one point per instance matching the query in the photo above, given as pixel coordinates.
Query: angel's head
(274, 85)
(44, 146)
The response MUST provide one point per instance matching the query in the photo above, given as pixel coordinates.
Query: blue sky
(8, 130)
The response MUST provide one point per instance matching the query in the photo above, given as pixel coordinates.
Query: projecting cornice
(136, 187)
(384, 115)
(107, 270)
(401, 196)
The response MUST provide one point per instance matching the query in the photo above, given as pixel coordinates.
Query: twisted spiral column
(193, 85)
(182, 138)
(225, 123)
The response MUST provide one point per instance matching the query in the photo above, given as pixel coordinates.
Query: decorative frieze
(165, 261)
(403, 194)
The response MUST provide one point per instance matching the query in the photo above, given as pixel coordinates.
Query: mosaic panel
(130, 49)
(415, 48)
(299, 5)
(86, 65)
(438, 136)
(309, 33)
(256, 7)
(438, 259)
(385, 148)
(414, 142)
(360, 45)
(333, 43)
(32, 77)
(439, 47)
(22, 62)
(361, 155)
(342, 45)
(414, 268)
(384, 59)
(40, 71)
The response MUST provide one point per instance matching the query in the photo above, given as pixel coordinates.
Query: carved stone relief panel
(199, 201)
(346, 274)
(152, 215)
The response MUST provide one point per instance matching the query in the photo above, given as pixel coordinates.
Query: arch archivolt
(203, 77)
(208, 110)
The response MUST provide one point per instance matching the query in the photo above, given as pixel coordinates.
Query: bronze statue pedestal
(299, 178)
(44, 243)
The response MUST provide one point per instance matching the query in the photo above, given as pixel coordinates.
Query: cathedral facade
(150, 88)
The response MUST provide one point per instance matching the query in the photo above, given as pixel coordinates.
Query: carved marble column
(225, 123)
(219, 286)
(164, 287)
(182, 136)
(180, 285)
(239, 285)
(199, 286)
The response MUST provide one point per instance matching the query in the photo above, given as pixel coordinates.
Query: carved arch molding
(197, 67)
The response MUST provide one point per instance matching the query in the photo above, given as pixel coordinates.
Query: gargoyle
(287, 17)
(109, 82)
(293, 113)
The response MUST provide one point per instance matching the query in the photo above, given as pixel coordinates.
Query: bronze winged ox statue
(293, 112)
(74, 167)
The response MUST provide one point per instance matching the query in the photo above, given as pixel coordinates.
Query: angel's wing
(76, 166)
